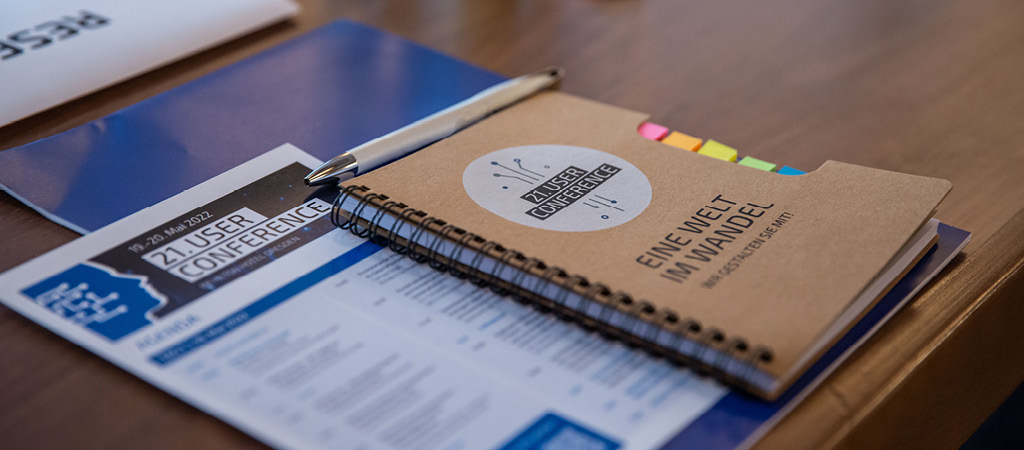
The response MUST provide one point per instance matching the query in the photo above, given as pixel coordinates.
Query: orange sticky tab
(652, 131)
(718, 150)
(677, 139)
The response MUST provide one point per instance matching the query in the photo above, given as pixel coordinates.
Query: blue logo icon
(111, 305)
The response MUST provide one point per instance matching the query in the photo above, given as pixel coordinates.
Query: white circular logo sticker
(558, 187)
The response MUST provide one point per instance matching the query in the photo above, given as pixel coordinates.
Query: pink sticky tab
(652, 131)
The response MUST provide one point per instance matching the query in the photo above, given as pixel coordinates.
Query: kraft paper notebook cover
(744, 273)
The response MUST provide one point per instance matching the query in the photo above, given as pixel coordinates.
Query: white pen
(442, 124)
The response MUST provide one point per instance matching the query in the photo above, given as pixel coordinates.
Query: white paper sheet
(239, 297)
(53, 51)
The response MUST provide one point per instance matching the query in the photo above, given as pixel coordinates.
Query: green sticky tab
(751, 161)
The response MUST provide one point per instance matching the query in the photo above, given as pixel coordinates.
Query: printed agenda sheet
(240, 297)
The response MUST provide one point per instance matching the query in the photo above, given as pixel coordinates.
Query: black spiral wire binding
(456, 254)
(414, 240)
(705, 340)
(393, 232)
(688, 329)
(629, 312)
(598, 293)
(429, 235)
(495, 281)
(542, 282)
(561, 298)
(478, 260)
(337, 211)
(374, 229)
(582, 303)
(644, 328)
(568, 283)
(521, 294)
(434, 249)
(756, 356)
(357, 212)
(527, 266)
(667, 324)
(712, 339)
(727, 351)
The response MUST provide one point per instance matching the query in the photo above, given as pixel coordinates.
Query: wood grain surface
(927, 87)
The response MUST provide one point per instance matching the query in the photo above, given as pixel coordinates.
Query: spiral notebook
(744, 274)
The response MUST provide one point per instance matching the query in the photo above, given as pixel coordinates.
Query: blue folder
(326, 91)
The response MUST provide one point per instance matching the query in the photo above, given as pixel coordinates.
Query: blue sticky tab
(786, 170)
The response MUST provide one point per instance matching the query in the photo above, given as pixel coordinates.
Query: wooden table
(928, 87)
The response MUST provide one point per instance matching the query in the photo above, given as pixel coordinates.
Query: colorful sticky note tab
(677, 139)
(718, 150)
(652, 131)
(786, 170)
(751, 161)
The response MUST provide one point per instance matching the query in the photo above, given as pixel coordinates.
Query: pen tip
(338, 169)
(322, 175)
(320, 178)
(555, 72)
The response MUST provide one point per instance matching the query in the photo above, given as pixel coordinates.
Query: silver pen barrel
(442, 124)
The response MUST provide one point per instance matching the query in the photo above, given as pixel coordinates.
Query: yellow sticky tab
(677, 139)
(718, 150)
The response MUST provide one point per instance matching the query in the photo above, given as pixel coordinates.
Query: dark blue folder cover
(326, 91)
